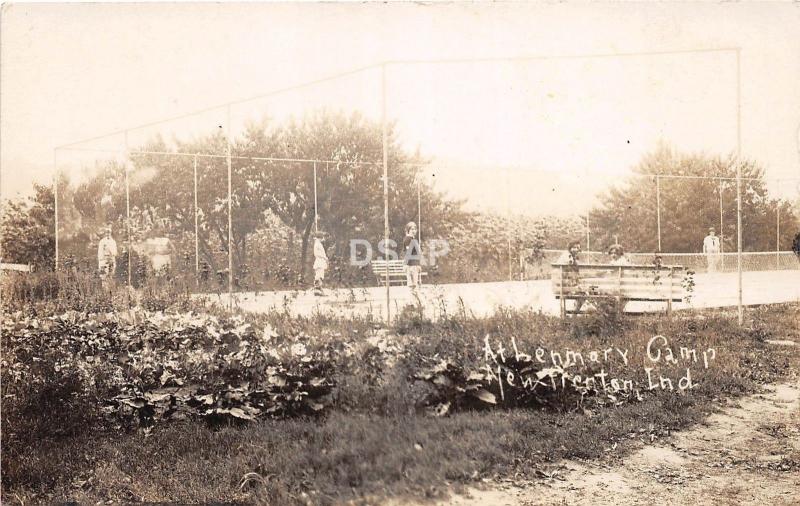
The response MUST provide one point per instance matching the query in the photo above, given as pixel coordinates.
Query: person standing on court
(711, 249)
(320, 263)
(107, 255)
(412, 254)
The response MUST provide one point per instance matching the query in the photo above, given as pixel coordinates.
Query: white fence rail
(698, 262)
(16, 267)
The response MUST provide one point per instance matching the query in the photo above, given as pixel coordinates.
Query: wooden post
(588, 244)
(658, 211)
(230, 210)
(671, 280)
(385, 139)
(196, 228)
(561, 290)
(619, 290)
(721, 231)
(777, 236)
(55, 203)
(316, 211)
(508, 227)
(419, 222)
(739, 181)
(128, 210)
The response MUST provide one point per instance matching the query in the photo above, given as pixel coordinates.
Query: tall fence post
(316, 211)
(588, 243)
(658, 211)
(721, 230)
(385, 141)
(508, 228)
(55, 203)
(419, 217)
(739, 239)
(196, 227)
(230, 212)
(777, 236)
(128, 208)
(739, 180)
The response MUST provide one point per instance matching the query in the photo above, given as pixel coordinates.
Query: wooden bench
(396, 268)
(624, 283)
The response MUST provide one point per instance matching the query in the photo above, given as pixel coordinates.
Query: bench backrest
(632, 282)
(395, 267)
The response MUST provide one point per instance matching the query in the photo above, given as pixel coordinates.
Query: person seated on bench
(572, 257)
(411, 257)
(617, 255)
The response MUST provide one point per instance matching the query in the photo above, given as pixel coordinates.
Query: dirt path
(747, 454)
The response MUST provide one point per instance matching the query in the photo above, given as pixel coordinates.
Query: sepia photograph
(400, 253)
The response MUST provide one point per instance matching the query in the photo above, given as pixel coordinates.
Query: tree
(689, 205)
(27, 224)
(350, 187)
(349, 196)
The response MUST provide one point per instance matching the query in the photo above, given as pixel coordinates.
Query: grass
(347, 456)
(376, 442)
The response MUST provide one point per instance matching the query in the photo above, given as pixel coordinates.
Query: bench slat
(607, 273)
(396, 271)
(624, 282)
(633, 299)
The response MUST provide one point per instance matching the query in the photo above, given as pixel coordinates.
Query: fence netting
(236, 198)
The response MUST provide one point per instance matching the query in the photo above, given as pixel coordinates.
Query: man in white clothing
(320, 263)
(711, 248)
(107, 255)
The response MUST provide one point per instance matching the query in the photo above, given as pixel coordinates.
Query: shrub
(411, 320)
(43, 408)
(606, 321)
(21, 290)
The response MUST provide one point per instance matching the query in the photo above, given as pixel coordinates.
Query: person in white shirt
(160, 250)
(711, 248)
(569, 274)
(618, 255)
(572, 255)
(412, 255)
(107, 255)
(320, 263)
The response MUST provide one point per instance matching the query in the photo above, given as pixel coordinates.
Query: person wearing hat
(320, 262)
(711, 249)
(107, 255)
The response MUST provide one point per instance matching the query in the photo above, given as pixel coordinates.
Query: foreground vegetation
(173, 402)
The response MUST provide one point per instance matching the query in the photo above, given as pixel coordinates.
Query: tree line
(274, 211)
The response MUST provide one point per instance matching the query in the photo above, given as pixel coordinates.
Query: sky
(540, 136)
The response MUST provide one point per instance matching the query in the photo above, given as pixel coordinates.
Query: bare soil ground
(748, 453)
